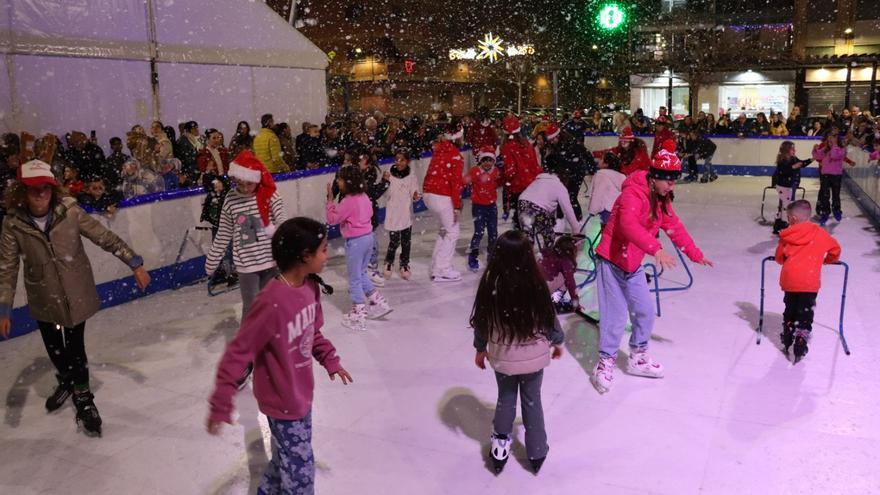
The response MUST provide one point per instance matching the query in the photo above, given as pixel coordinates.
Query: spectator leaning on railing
(267, 147)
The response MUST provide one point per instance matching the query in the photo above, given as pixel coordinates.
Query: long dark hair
(513, 302)
(657, 200)
(296, 238)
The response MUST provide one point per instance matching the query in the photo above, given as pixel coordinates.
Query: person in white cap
(248, 219)
(484, 179)
(44, 229)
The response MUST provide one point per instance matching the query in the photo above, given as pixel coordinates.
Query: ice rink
(731, 417)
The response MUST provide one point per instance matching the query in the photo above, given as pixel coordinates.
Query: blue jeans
(292, 468)
(374, 255)
(485, 217)
(357, 256)
(623, 294)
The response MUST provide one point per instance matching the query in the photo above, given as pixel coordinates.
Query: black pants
(513, 199)
(574, 187)
(799, 311)
(66, 347)
(399, 238)
(693, 170)
(829, 185)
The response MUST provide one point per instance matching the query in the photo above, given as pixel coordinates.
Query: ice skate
(641, 364)
(389, 268)
(449, 275)
(823, 219)
(376, 278)
(379, 306)
(87, 415)
(62, 392)
(838, 216)
(405, 272)
(356, 319)
(602, 377)
(787, 337)
(473, 264)
(800, 348)
(537, 463)
(500, 451)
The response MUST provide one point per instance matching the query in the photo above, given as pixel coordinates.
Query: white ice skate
(356, 319)
(602, 377)
(500, 451)
(449, 275)
(379, 306)
(641, 364)
(377, 278)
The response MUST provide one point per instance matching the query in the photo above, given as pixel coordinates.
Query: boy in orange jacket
(803, 248)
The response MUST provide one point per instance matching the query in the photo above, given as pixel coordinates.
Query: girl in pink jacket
(642, 209)
(830, 153)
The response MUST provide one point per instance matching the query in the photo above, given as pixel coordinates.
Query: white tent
(109, 64)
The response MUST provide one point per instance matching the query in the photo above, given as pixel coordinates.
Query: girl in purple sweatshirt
(280, 335)
(353, 215)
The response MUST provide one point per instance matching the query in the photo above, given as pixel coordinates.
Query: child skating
(290, 307)
(516, 328)
(485, 179)
(643, 208)
(803, 248)
(403, 190)
(353, 214)
(787, 179)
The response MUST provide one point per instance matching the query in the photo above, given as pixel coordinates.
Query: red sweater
(802, 250)
(520, 165)
(631, 233)
(484, 185)
(280, 335)
(444, 175)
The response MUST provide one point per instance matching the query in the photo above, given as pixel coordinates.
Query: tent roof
(228, 32)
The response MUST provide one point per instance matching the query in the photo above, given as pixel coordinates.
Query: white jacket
(399, 205)
(605, 189)
(547, 192)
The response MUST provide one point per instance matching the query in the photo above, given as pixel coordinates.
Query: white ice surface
(730, 416)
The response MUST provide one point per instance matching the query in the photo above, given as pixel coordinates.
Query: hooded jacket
(521, 358)
(802, 250)
(631, 233)
(520, 165)
(399, 206)
(58, 277)
(444, 175)
(830, 161)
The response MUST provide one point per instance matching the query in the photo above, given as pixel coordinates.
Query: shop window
(754, 98)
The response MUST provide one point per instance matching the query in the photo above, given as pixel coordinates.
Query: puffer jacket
(267, 149)
(830, 161)
(520, 165)
(631, 233)
(57, 273)
(444, 175)
(802, 250)
(521, 358)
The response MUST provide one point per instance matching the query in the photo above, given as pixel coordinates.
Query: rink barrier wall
(754, 156)
(863, 183)
(155, 226)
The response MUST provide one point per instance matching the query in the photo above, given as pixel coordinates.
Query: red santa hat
(627, 135)
(666, 165)
(552, 130)
(486, 152)
(510, 124)
(248, 168)
(454, 131)
(36, 173)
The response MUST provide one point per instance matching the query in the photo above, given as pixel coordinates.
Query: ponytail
(325, 288)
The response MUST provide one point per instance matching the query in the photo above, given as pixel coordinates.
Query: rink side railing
(155, 225)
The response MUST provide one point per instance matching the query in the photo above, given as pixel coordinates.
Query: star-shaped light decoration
(490, 47)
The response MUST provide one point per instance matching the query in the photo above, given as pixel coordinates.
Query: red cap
(552, 131)
(510, 124)
(248, 167)
(36, 173)
(666, 165)
(486, 152)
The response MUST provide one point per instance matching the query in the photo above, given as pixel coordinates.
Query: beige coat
(57, 273)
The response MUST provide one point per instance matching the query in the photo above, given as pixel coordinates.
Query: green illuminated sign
(611, 16)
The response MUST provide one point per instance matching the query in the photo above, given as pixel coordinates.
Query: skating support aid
(760, 330)
(764, 198)
(186, 239)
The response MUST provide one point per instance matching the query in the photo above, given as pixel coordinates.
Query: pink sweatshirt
(280, 335)
(352, 214)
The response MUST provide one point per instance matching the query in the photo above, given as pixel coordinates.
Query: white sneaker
(449, 275)
(379, 306)
(641, 364)
(377, 279)
(602, 377)
(356, 319)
